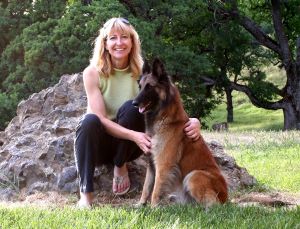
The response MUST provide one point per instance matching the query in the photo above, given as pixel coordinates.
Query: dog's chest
(160, 137)
(157, 144)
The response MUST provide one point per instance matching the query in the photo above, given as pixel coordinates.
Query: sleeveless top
(117, 89)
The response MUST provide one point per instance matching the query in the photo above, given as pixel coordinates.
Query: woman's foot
(121, 182)
(86, 200)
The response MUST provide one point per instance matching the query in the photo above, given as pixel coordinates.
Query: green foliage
(262, 89)
(7, 108)
(171, 34)
(51, 46)
(13, 20)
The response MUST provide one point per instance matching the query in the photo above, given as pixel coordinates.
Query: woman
(112, 130)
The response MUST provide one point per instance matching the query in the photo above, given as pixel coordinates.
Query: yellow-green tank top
(117, 89)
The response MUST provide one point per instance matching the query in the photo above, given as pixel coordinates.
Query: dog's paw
(140, 204)
(154, 205)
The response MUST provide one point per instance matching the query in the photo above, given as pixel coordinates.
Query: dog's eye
(147, 87)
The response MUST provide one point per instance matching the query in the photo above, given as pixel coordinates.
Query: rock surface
(36, 148)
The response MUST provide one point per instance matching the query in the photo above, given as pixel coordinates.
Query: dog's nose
(135, 103)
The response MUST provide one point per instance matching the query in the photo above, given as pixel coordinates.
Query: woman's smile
(119, 45)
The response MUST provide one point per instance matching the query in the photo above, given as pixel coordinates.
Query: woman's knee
(90, 122)
(129, 117)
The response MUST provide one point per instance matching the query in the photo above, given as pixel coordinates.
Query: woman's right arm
(96, 106)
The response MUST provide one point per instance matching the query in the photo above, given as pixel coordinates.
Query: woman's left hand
(192, 129)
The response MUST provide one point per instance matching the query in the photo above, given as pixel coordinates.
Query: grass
(228, 216)
(247, 117)
(272, 157)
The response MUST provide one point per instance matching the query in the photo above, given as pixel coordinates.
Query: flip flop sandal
(119, 180)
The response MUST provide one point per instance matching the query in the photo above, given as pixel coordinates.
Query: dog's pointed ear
(158, 70)
(146, 67)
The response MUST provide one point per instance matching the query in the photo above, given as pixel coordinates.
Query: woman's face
(119, 45)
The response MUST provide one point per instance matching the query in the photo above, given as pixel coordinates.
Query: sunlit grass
(228, 216)
(272, 157)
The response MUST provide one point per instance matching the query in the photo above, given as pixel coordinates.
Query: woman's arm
(96, 106)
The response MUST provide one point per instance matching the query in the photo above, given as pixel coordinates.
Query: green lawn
(246, 116)
(272, 157)
(228, 216)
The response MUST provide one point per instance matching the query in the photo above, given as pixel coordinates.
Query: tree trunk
(228, 91)
(291, 118)
(291, 110)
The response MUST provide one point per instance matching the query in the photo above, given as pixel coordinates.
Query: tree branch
(256, 32)
(254, 100)
(207, 81)
(254, 29)
(281, 37)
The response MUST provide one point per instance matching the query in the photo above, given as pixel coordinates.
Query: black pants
(94, 146)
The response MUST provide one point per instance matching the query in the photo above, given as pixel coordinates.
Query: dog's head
(154, 89)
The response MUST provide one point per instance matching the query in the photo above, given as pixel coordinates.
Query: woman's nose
(119, 40)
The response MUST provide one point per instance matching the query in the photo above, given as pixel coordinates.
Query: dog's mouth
(144, 108)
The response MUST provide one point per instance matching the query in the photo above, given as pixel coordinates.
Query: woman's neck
(120, 64)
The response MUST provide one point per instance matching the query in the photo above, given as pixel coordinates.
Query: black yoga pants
(94, 146)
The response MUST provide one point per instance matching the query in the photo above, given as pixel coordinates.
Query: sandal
(119, 180)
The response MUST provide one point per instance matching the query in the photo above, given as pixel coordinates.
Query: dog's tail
(205, 187)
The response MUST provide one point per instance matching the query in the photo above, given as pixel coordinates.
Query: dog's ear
(158, 70)
(146, 67)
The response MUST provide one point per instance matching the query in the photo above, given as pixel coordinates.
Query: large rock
(36, 149)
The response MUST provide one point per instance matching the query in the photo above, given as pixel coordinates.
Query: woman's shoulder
(90, 71)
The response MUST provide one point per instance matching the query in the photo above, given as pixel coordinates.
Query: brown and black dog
(178, 165)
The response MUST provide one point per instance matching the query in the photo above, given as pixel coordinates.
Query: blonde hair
(101, 58)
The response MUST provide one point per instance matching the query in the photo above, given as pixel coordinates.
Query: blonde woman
(112, 130)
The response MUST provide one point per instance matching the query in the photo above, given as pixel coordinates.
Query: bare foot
(121, 182)
(86, 200)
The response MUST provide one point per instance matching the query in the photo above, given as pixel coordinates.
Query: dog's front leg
(148, 185)
(161, 180)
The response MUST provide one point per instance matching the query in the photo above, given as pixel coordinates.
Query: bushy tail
(205, 188)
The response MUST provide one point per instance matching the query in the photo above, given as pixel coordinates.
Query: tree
(177, 38)
(284, 44)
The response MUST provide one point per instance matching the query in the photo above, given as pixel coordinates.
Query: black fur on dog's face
(154, 88)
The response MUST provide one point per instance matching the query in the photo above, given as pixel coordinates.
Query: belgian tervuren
(178, 164)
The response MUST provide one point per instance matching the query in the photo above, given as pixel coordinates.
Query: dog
(178, 165)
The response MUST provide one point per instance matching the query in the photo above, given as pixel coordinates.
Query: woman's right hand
(143, 141)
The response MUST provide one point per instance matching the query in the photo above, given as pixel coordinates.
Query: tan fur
(179, 164)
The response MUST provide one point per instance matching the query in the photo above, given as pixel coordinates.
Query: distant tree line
(210, 48)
